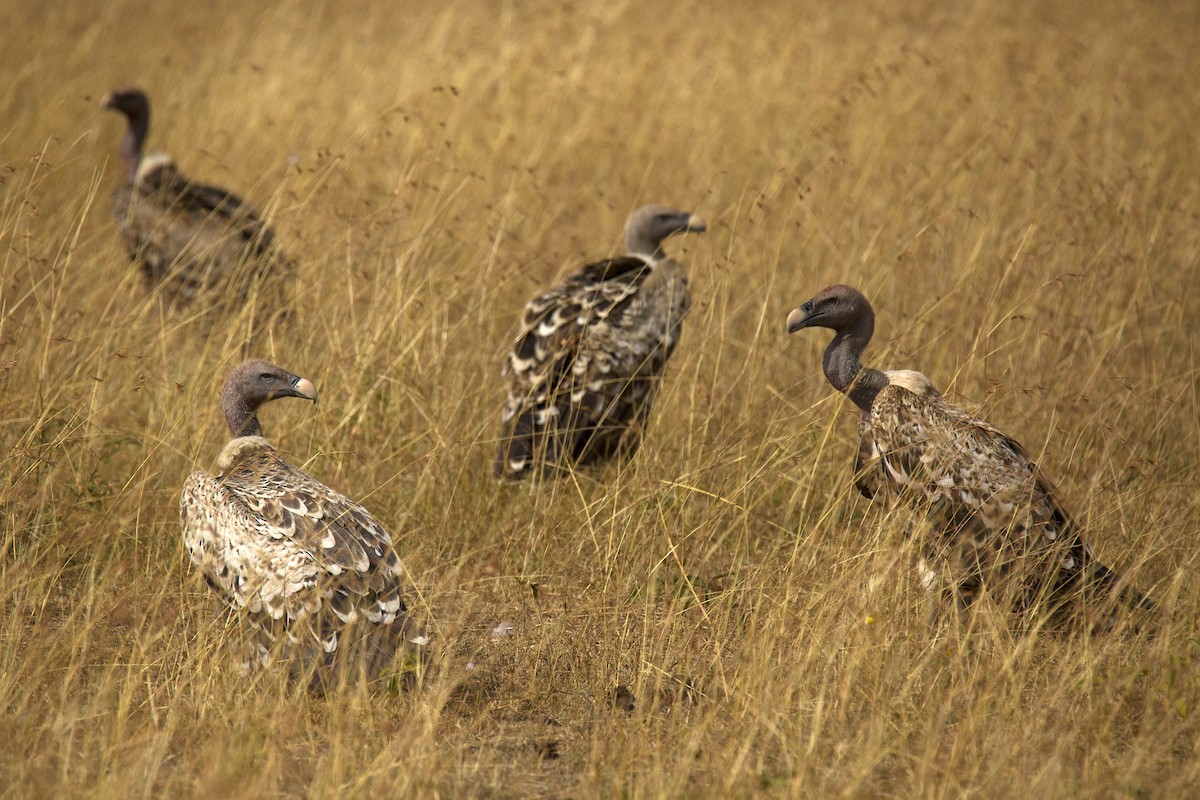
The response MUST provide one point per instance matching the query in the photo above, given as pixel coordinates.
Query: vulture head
(842, 309)
(130, 101)
(254, 383)
(650, 225)
(845, 311)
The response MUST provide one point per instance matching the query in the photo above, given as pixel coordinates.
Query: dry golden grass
(1016, 187)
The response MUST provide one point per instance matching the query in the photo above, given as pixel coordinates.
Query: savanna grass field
(1015, 186)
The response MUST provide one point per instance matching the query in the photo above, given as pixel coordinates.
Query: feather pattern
(583, 371)
(995, 518)
(191, 239)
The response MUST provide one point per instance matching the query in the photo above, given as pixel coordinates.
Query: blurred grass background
(1014, 185)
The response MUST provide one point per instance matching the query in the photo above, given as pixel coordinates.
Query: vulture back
(584, 370)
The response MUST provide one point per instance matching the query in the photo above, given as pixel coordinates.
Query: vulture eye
(266, 377)
(829, 301)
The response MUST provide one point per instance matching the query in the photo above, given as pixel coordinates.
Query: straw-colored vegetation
(1015, 185)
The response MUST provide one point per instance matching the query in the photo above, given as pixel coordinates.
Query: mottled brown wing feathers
(588, 295)
(629, 270)
(868, 476)
(988, 502)
(203, 202)
(299, 559)
(338, 532)
(190, 237)
(580, 376)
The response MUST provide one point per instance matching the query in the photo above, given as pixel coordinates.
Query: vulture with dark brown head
(190, 239)
(995, 521)
(583, 371)
(313, 574)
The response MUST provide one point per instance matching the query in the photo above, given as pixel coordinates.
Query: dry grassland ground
(1016, 187)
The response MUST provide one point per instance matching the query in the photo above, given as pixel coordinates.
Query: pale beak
(796, 320)
(695, 224)
(303, 387)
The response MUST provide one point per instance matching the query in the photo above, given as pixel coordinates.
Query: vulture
(189, 239)
(583, 371)
(994, 521)
(310, 573)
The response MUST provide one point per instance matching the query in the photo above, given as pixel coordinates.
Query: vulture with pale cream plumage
(583, 371)
(995, 522)
(311, 572)
(188, 238)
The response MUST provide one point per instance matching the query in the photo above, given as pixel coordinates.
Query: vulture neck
(844, 369)
(241, 418)
(641, 246)
(132, 141)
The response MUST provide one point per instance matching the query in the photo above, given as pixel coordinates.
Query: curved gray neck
(644, 248)
(241, 418)
(844, 369)
(132, 142)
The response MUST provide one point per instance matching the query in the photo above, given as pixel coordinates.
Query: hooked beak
(303, 387)
(797, 320)
(694, 224)
(107, 101)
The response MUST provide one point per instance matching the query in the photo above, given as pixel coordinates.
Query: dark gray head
(254, 383)
(650, 225)
(134, 104)
(846, 312)
(130, 101)
(839, 308)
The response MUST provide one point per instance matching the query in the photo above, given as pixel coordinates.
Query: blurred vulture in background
(190, 239)
(584, 369)
(311, 572)
(995, 522)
